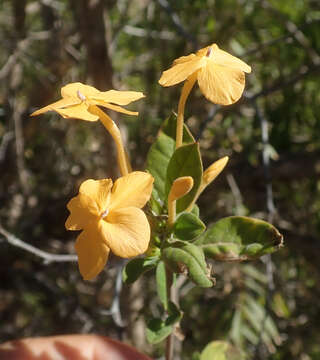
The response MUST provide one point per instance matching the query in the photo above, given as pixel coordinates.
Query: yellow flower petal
(223, 58)
(181, 71)
(220, 84)
(83, 210)
(114, 107)
(98, 191)
(70, 101)
(77, 88)
(119, 97)
(77, 112)
(127, 231)
(92, 252)
(133, 189)
(183, 59)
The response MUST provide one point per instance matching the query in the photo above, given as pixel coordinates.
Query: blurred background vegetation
(269, 308)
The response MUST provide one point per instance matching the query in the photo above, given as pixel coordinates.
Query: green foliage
(184, 257)
(239, 238)
(221, 350)
(169, 128)
(157, 162)
(251, 323)
(158, 329)
(136, 267)
(185, 161)
(162, 279)
(188, 226)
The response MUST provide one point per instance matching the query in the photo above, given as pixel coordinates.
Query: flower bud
(180, 187)
(214, 170)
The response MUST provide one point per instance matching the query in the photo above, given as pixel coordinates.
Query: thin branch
(47, 257)
(140, 32)
(236, 194)
(115, 306)
(6, 138)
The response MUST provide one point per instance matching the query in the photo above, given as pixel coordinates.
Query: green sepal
(188, 226)
(136, 267)
(221, 350)
(239, 238)
(186, 161)
(184, 257)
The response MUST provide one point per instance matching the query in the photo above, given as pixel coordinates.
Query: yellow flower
(220, 75)
(77, 97)
(110, 218)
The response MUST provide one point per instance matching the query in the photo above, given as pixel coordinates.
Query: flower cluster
(110, 216)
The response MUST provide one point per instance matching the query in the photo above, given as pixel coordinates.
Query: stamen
(81, 96)
(209, 52)
(104, 214)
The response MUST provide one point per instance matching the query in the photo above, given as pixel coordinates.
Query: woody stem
(114, 131)
(187, 87)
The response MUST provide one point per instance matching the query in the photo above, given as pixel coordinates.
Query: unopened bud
(180, 187)
(214, 170)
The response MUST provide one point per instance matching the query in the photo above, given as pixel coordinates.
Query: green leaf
(186, 161)
(170, 126)
(220, 350)
(239, 238)
(195, 210)
(175, 315)
(183, 257)
(157, 162)
(137, 267)
(161, 280)
(158, 330)
(188, 226)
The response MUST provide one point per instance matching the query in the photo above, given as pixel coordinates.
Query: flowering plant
(168, 233)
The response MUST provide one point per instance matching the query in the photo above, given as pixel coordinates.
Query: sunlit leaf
(221, 350)
(187, 258)
(239, 238)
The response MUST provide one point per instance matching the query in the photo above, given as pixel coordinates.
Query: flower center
(105, 213)
(81, 96)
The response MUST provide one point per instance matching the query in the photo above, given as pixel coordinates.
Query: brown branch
(47, 257)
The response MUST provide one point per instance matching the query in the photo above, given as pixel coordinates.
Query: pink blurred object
(69, 347)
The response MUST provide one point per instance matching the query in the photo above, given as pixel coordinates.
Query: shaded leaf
(161, 280)
(186, 161)
(158, 330)
(239, 238)
(157, 162)
(188, 226)
(137, 267)
(170, 126)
